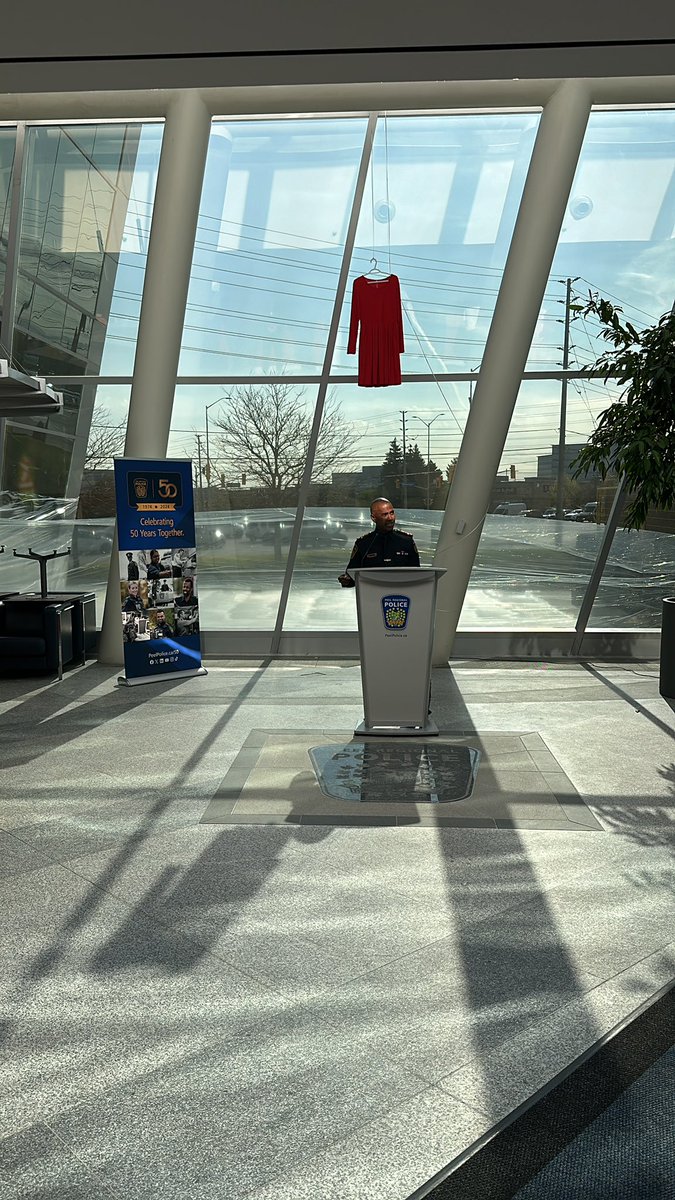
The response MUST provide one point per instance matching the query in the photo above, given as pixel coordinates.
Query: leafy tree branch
(635, 436)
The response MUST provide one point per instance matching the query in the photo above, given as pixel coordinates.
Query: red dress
(376, 305)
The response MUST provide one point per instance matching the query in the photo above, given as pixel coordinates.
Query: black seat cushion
(22, 647)
(24, 619)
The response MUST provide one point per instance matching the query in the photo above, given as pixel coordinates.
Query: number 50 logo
(167, 490)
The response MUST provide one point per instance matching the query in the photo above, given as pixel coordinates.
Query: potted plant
(635, 436)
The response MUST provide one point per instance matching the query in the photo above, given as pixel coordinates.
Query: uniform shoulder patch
(403, 532)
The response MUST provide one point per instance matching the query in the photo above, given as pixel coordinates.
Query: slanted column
(167, 277)
(535, 237)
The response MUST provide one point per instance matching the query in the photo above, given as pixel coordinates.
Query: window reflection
(7, 144)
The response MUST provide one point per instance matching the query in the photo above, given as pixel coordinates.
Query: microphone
(342, 579)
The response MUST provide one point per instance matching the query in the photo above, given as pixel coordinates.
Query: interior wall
(75, 46)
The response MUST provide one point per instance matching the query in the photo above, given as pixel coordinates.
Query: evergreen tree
(416, 476)
(392, 473)
(417, 473)
(420, 477)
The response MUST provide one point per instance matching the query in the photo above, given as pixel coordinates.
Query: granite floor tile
(389, 1158)
(451, 868)
(16, 858)
(36, 1165)
(439, 1003)
(18, 812)
(497, 1082)
(230, 903)
(247, 1109)
(93, 993)
(254, 913)
(632, 922)
(58, 840)
(647, 977)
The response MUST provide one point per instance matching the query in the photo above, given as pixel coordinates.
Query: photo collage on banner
(159, 591)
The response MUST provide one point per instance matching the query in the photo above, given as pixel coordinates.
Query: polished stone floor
(199, 1008)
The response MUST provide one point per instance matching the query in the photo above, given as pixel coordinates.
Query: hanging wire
(372, 200)
(431, 371)
(386, 188)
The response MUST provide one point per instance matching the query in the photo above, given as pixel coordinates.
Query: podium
(395, 607)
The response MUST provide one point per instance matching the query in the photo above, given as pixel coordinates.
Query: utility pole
(207, 468)
(563, 404)
(405, 465)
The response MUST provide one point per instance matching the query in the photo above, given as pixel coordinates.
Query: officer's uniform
(392, 548)
(133, 604)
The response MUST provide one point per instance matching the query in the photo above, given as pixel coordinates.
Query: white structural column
(535, 237)
(165, 289)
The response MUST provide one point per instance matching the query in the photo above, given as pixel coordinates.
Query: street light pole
(428, 425)
(405, 465)
(560, 482)
(208, 460)
(471, 385)
(199, 466)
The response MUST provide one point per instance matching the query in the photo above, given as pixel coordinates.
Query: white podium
(395, 607)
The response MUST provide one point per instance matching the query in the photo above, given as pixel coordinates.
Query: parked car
(512, 509)
(91, 539)
(587, 513)
(210, 536)
(314, 532)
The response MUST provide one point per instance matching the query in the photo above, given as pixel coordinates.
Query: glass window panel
(309, 204)
(7, 145)
(246, 490)
(617, 239)
(275, 206)
(130, 226)
(617, 236)
(79, 194)
(639, 574)
(490, 200)
(360, 457)
(56, 490)
(532, 568)
(438, 211)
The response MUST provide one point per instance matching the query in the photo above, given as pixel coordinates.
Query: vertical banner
(159, 592)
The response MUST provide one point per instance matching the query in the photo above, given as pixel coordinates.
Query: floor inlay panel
(319, 776)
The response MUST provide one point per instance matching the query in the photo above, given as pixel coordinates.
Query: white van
(514, 509)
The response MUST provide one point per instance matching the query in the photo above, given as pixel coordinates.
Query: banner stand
(122, 680)
(159, 580)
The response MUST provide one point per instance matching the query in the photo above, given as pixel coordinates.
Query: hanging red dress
(376, 307)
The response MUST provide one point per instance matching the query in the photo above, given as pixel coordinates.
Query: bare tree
(106, 440)
(264, 434)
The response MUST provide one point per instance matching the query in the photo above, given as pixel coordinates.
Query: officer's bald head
(382, 513)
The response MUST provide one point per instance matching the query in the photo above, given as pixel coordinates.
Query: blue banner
(159, 592)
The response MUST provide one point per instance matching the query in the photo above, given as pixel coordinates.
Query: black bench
(36, 634)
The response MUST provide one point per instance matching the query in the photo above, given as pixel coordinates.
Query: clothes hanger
(375, 273)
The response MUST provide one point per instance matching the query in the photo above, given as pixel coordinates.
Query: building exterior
(547, 464)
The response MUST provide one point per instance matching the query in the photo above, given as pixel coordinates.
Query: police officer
(132, 567)
(384, 547)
